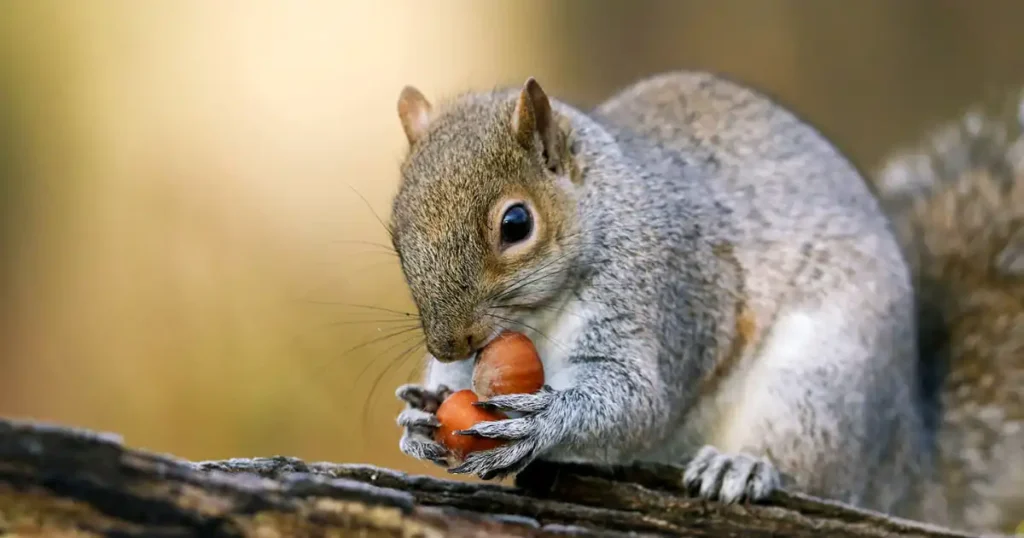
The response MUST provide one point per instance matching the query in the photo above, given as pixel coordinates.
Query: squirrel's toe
(417, 419)
(730, 478)
(422, 448)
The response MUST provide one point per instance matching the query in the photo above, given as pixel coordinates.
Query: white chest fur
(554, 332)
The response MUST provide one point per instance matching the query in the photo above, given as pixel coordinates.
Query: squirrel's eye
(516, 224)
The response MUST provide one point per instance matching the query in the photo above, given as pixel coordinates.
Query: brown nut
(456, 413)
(508, 365)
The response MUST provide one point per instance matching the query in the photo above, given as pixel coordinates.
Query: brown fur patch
(746, 325)
(725, 251)
(744, 335)
(744, 332)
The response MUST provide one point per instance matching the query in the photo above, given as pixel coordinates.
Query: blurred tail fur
(957, 206)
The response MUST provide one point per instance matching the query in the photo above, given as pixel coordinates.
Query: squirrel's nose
(459, 347)
(462, 347)
(451, 349)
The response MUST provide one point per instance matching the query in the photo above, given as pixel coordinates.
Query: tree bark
(58, 481)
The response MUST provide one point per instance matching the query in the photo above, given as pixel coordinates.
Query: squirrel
(711, 283)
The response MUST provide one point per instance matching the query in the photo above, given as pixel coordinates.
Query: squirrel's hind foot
(730, 478)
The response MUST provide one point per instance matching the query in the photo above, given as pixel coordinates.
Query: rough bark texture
(59, 482)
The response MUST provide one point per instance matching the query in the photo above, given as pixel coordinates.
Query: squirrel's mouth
(487, 341)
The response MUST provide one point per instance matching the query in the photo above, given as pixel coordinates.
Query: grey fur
(957, 203)
(722, 288)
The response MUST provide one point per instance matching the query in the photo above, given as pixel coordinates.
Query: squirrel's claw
(498, 462)
(730, 478)
(510, 429)
(520, 403)
(417, 419)
(528, 436)
(419, 397)
(420, 422)
(423, 448)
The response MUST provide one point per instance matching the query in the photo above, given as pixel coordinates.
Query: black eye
(516, 224)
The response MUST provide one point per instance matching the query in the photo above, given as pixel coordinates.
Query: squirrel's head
(485, 215)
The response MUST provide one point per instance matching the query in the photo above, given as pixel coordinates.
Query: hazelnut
(508, 365)
(457, 412)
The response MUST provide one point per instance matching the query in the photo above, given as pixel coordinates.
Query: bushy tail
(957, 206)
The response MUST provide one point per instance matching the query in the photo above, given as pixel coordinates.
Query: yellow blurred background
(183, 231)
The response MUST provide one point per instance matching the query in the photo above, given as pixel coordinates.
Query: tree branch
(57, 481)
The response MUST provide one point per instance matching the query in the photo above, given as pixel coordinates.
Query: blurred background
(190, 250)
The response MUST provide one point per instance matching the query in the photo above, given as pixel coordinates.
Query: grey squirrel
(709, 281)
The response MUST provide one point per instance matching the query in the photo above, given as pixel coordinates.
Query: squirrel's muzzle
(459, 344)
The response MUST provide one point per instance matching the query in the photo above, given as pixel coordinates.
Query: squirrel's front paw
(420, 422)
(419, 397)
(528, 436)
(730, 478)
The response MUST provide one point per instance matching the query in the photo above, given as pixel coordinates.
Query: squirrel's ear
(533, 121)
(414, 111)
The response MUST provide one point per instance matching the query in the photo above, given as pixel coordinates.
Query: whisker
(314, 369)
(373, 360)
(417, 366)
(392, 334)
(392, 325)
(537, 273)
(368, 321)
(532, 328)
(375, 215)
(418, 373)
(407, 325)
(367, 243)
(519, 283)
(549, 291)
(368, 307)
(547, 307)
(400, 359)
(510, 291)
